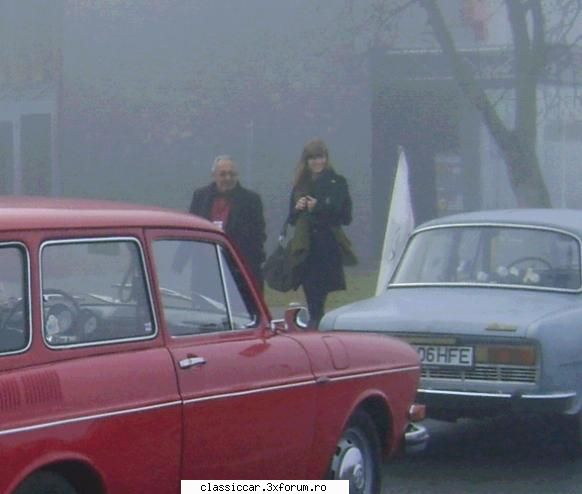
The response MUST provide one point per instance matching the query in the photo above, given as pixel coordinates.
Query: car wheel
(45, 483)
(357, 456)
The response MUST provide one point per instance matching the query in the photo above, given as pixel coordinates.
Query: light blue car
(492, 301)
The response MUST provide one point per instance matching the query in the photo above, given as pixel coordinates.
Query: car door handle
(191, 362)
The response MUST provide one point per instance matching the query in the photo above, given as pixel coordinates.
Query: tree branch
(464, 75)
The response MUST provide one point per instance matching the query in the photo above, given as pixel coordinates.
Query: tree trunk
(517, 146)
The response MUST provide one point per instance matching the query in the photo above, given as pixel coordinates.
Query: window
(193, 293)
(528, 257)
(241, 301)
(14, 303)
(94, 291)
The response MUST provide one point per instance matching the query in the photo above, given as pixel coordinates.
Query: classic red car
(135, 352)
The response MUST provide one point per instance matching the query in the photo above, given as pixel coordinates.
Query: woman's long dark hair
(315, 147)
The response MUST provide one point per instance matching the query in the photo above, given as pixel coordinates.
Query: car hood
(458, 310)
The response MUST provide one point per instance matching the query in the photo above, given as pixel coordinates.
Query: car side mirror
(294, 319)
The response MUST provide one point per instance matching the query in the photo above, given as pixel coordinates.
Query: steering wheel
(62, 314)
(533, 260)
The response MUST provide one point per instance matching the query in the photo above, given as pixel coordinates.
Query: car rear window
(492, 255)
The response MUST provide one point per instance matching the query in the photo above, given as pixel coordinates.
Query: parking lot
(478, 457)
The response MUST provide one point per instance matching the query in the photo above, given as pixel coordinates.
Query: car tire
(357, 456)
(45, 483)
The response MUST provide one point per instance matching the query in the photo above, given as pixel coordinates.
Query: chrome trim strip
(249, 392)
(86, 418)
(549, 396)
(219, 256)
(376, 373)
(296, 385)
(128, 411)
(485, 285)
(499, 224)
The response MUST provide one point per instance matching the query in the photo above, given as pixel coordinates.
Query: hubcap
(349, 464)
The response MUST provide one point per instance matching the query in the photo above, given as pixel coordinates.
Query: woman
(320, 203)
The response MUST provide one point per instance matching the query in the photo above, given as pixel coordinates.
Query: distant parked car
(135, 351)
(492, 301)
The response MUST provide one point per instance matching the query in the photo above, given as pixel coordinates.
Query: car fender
(330, 426)
(559, 337)
(354, 371)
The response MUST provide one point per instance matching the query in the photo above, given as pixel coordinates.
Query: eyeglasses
(228, 174)
(316, 157)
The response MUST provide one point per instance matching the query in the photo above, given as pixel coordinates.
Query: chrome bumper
(415, 438)
(560, 402)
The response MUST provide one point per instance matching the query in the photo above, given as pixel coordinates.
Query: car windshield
(492, 255)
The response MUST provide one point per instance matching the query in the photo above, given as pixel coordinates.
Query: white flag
(399, 225)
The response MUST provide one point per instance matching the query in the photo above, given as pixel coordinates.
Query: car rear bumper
(415, 438)
(468, 403)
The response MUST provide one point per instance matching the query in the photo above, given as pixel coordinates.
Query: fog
(166, 86)
(132, 99)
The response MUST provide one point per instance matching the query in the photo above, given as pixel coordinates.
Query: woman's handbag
(278, 268)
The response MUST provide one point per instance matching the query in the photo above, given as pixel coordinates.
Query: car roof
(569, 220)
(30, 212)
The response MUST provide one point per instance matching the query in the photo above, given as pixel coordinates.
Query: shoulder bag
(278, 268)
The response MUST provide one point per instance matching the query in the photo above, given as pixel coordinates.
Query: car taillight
(506, 354)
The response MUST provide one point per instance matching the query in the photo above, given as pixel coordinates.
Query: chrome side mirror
(295, 318)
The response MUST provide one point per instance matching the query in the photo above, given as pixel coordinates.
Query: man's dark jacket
(245, 225)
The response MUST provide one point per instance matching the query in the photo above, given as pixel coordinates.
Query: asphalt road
(493, 456)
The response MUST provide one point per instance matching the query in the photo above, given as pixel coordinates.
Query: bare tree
(539, 30)
(517, 144)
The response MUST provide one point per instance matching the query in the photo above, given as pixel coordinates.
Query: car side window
(191, 287)
(94, 292)
(242, 303)
(14, 300)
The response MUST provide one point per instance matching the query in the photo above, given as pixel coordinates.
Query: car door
(248, 394)
(97, 374)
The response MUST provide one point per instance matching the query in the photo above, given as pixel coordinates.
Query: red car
(135, 352)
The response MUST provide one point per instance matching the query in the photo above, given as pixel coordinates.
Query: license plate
(455, 356)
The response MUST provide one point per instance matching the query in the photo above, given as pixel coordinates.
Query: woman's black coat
(324, 265)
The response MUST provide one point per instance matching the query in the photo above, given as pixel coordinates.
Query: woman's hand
(301, 204)
(305, 203)
(311, 202)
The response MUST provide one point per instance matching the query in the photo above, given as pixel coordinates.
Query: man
(238, 211)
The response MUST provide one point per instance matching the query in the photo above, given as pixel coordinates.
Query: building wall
(30, 69)
(153, 91)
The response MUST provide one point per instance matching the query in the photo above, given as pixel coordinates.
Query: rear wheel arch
(80, 476)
